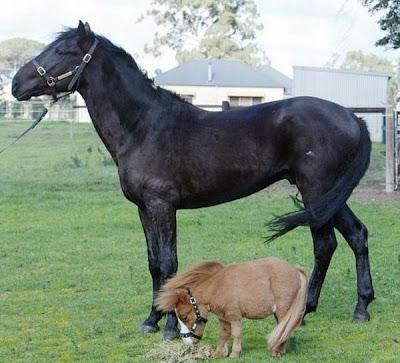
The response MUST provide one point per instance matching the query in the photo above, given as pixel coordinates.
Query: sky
(296, 33)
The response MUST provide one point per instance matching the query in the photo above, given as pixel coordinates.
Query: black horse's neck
(119, 96)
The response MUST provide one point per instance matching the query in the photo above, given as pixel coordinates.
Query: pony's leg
(280, 350)
(236, 327)
(159, 225)
(281, 311)
(224, 335)
(356, 235)
(325, 244)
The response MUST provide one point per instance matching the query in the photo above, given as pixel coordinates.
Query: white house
(208, 83)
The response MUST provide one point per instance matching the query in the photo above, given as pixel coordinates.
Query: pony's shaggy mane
(194, 276)
(170, 292)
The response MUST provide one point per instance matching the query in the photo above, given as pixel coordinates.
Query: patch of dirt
(375, 193)
(364, 192)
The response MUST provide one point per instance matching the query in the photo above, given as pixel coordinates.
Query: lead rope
(35, 122)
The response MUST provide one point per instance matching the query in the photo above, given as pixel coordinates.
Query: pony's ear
(166, 300)
(182, 294)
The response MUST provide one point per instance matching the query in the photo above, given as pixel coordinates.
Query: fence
(29, 110)
(68, 111)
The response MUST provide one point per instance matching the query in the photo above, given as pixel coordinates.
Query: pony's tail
(320, 211)
(293, 317)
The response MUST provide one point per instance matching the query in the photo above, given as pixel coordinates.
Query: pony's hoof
(144, 328)
(234, 355)
(361, 317)
(170, 334)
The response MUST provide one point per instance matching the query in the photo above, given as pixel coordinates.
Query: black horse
(172, 155)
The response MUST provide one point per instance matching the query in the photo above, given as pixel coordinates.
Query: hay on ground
(170, 352)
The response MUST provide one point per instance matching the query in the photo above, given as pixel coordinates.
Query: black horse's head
(54, 65)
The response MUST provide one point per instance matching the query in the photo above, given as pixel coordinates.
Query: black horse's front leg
(159, 224)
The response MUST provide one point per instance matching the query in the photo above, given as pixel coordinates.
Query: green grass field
(74, 283)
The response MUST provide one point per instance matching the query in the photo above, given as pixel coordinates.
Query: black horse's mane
(112, 49)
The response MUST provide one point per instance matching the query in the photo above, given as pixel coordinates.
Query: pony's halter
(199, 319)
(76, 72)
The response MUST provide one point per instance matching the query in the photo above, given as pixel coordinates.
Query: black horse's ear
(84, 30)
(87, 28)
(81, 30)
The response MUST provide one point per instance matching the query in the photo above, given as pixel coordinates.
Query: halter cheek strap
(79, 69)
(199, 319)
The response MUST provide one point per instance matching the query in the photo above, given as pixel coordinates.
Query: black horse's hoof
(170, 334)
(361, 318)
(148, 328)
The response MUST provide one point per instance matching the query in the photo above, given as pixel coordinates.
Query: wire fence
(71, 113)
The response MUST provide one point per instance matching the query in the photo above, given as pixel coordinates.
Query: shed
(365, 93)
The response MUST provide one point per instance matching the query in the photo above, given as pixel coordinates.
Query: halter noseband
(76, 72)
(199, 319)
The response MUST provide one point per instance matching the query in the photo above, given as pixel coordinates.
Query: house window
(241, 101)
(187, 98)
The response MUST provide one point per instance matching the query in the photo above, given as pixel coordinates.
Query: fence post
(225, 105)
(390, 135)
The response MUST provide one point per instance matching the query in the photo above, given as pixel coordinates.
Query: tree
(207, 29)
(14, 53)
(389, 22)
(356, 60)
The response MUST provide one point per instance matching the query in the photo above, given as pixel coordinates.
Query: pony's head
(176, 295)
(190, 313)
(49, 72)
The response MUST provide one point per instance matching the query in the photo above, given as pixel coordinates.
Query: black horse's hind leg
(159, 225)
(324, 246)
(356, 235)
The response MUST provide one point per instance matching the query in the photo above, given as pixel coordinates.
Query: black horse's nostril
(15, 84)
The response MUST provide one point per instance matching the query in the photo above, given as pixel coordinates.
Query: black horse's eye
(60, 51)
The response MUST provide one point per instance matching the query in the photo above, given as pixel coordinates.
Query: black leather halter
(199, 319)
(51, 81)
(76, 72)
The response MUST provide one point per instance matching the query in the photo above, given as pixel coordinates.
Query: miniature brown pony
(253, 290)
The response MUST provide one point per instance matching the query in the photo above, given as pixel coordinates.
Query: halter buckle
(41, 70)
(192, 300)
(87, 57)
(51, 82)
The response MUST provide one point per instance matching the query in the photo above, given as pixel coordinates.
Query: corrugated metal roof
(332, 70)
(224, 73)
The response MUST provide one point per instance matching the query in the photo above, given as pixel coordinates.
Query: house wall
(215, 95)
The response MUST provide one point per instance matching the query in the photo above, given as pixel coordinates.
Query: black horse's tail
(319, 212)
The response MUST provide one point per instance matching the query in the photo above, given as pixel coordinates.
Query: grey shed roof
(224, 73)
